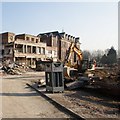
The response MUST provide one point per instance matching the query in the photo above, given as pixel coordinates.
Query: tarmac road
(18, 101)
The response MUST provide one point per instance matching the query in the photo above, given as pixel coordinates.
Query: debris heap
(13, 69)
(106, 79)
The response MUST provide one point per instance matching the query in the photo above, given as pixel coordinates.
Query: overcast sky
(96, 23)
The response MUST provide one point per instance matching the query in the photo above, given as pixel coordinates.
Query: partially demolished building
(25, 49)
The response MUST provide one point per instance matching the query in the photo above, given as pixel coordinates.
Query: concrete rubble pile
(105, 74)
(106, 79)
(13, 68)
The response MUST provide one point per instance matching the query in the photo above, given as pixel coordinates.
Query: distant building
(25, 49)
(52, 43)
(6, 45)
(64, 45)
(22, 49)
(58, 43)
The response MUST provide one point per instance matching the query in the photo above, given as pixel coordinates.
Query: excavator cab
(82, 66)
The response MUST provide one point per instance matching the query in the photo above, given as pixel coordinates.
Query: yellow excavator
(80, 67)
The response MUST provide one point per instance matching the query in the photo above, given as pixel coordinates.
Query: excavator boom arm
(78, 52)
(71, 49)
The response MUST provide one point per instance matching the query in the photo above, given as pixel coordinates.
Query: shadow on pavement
(19, 94)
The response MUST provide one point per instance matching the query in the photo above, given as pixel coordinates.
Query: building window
(44, 51)
(28, 49)
(32, 39)
(34, 49)
(40, 50)
(37, 40)
(27, 38)
(19, 48)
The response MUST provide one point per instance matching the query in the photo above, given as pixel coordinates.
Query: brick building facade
(25, 49)
(58, 43)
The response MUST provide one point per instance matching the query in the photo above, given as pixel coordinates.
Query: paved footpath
(19, 101)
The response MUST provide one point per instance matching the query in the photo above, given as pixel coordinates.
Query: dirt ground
(20, 101)
(88, 105)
